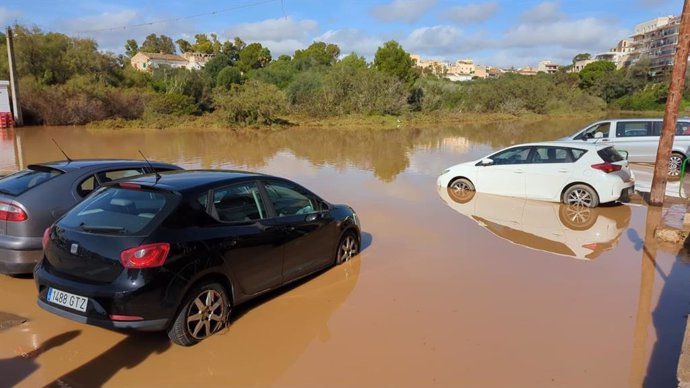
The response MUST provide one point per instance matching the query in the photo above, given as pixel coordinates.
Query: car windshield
(610, 155)
(24, 180)
(116, 210)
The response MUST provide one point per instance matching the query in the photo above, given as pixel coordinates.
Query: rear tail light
(607, 167)
(10, 212)
(127, 185)
(126, 317)
(145, 256)
(46, 237)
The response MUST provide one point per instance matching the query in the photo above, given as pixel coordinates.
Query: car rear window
(610, 155)
(115, 210)
(24, 180)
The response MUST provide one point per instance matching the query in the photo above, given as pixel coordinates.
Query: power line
(129, 26)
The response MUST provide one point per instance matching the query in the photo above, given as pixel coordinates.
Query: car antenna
(61, 150)
(158, 176)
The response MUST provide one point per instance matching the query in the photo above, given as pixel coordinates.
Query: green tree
(202, 44)
(393, 60)
(594, 71)
(254, 56)
(131, 48)
(279, 72)
(581, 57)
(354, 61)
(214, 66)
(229, 76)
(317, 54)
(184, 45)
(155, 44)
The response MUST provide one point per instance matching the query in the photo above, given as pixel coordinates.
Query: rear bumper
(14, 262)
(148, 325)
(616, 191)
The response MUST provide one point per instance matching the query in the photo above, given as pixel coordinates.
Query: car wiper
(102, 228)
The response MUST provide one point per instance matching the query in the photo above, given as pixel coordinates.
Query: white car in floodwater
(575, 173)
(567, 230)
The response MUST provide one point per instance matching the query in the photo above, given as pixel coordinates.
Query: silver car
(639, 138)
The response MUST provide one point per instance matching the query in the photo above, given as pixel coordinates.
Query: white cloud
(407, 11)
(8, 16)
(589, 34)
(443, 40)
(276, 30)
(471, 13)
(352, 40)
(112, 29)
(546, 12)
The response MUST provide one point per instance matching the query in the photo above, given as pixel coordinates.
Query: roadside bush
(305, 94)
(171, 104)
(652, 97)
(348, 90)
(228, 76)
(438, 94)
(251, 103)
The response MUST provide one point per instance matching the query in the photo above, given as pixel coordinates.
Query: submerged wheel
(205, 311)
(576, 217)
(348, 247)
(461, 190)
(675, 163)
(581, 195)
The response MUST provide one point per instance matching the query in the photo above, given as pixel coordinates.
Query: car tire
(204, 312)
(581, 195)
(348, 247)
(675, 164)
(576, 217)
(461, 190)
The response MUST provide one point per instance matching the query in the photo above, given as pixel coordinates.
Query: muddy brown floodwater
(473, 292)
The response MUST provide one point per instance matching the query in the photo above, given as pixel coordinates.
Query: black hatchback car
(34, 198)
(176, 251)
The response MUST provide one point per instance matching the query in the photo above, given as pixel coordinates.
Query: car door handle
(518, 171)
(563, 171)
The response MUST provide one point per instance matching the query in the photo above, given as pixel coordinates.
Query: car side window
(517, 155)
(289, 200)
(682, 128)
(600, 130)
(545, 154)
(107, 176)
(634, 128)
(577, 153)
(237, 203)
(87, 186)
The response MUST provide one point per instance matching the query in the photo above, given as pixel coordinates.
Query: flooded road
(479, 292)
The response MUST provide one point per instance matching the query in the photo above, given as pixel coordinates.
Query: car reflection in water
(567, 230)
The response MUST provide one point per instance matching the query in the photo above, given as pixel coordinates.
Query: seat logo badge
(74, 248)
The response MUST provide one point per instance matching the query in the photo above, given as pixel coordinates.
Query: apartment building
(547, 67)
(656, 39)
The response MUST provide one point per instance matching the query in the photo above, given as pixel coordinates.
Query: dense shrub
(171, 104)
(251, 103)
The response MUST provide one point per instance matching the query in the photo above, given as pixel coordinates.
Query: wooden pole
(14, 83)
(675, 93)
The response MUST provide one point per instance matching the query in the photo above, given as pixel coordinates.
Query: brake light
(126, 317)
(126, 185)
(145, 256)
(10, 212)
(46, 237)
(607, 167)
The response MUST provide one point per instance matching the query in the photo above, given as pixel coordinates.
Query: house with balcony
(149, 61)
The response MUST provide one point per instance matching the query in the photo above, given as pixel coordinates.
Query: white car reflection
(574, 231)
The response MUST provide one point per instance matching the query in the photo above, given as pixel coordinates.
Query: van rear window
(115, 210)
(610, 155)
(24, 180)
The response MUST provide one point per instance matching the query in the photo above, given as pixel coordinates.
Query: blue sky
(495, 32)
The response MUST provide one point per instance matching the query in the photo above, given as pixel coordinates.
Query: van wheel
(581, 195)
(675, 163)
(205, 311)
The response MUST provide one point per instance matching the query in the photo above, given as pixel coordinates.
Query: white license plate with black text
(66, 299)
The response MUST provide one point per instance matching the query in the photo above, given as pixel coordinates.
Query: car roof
(77, 164)
(642, 119)
(192, 180)
(567, 143)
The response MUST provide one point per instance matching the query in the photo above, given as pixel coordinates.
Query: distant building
(529, 70)
(149, 61)
(579, 65)
(547, 67)
(656, 39)
(430, 66)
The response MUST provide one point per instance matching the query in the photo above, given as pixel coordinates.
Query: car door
(309, 229)
(252, 251)
(505, 174)
(549, 171)
(637, 138)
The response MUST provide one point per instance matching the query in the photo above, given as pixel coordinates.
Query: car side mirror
(598, 135)
(311, 217)
(487, 162)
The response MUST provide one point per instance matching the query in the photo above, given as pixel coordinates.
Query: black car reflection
(573, 231)
(176, 251)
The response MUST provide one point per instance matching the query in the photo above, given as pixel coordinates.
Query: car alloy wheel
(204, 313)
(581, 195)
(347, 248)
(675, 163)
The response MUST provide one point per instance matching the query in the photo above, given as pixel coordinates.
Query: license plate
(66, 299)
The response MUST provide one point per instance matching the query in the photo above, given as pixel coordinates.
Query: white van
(639, 138)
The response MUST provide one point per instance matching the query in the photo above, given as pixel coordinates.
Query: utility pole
(675, 93)
(14, 85)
